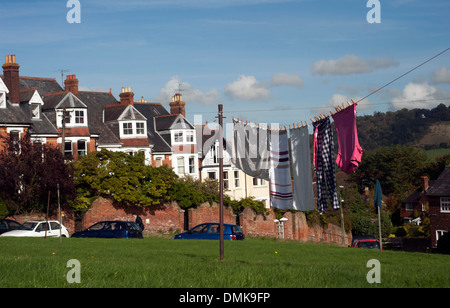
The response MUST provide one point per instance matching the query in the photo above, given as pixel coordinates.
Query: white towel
(279, 172)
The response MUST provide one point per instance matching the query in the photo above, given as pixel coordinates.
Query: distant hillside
(418, 127)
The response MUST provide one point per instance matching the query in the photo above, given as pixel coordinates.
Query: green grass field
(253, 263)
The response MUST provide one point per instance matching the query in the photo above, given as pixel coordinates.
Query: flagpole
(379, 228)
(378, 199)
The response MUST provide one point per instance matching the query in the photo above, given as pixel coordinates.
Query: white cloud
(350, 64)
(441, 75)
(419, 95)
(189, 92)
(247, 88)
(287, 79)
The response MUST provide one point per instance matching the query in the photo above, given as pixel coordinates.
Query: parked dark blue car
(112, 229)
(210, 231)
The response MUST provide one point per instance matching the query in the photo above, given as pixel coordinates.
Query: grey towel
(301, 168)
(251, 150)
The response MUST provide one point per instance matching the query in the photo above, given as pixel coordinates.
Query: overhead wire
(361, 99)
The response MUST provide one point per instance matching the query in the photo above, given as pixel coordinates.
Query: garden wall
(170, 218)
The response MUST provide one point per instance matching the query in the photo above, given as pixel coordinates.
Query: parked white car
(37, 229)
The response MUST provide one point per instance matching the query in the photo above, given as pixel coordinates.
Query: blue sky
(266, 61)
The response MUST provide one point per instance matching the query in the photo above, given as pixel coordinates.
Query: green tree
(398, 168)
(121, 176)
(188, 192)
(29, 171)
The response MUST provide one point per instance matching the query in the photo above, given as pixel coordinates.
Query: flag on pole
(378, 196)
(377, 204)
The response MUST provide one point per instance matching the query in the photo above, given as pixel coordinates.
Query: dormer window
(133, 129)
(35, 111)
(128, 128)
(2, 100)
(3, 91)
(140, 129)
(72, 117)
(79, 116)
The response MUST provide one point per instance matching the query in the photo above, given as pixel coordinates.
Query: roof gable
(131, 113)
(171, 121)
(3, 87)
(36, 98)
(441, 187)
(70, 101)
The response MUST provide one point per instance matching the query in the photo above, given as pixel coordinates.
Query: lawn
(253, 263)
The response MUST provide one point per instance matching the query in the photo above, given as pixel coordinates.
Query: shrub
(4, 209)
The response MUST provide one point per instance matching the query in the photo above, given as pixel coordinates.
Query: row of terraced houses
(97, 120)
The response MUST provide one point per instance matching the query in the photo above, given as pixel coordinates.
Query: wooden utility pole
(221, 180)
(63, 135)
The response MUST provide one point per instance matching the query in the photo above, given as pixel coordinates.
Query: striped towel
(279, 172)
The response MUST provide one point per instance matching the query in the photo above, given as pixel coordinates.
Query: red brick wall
(166, 218)
(438, 220)
(210, 213)
(169, 218)
(254, 224)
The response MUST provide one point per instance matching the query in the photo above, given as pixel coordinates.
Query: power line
(325, 107)
(413, 69)
(371, 93)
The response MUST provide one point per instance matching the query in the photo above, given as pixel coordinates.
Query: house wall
(438, 220)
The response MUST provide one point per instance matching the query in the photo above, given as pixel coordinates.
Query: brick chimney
(126, 97)
(424, 183)
(71, 84)
(11, 78)
(177, 106)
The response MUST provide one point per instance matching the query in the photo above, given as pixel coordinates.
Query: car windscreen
(28, 226)
(236, 230)
(97, 226)
(133, 226)
(368, 244)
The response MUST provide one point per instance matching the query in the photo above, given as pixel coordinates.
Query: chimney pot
(71, 84)
(11, 78)
(126, 97)
(425, 183)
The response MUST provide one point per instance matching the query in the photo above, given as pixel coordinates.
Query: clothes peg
(353, 102)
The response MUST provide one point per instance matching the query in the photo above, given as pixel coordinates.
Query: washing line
(229, 112)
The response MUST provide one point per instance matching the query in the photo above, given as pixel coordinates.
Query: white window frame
(66, 150)
(178, 136)
(445, 205)
(83, 152)
(439, 233)
(409, 207)
(71, 118)
(2, 99)
(35, 106)
(79, 117)
(191, 164)
(259, 182)
(210, 173)
(226, 180)
(140, 130)
(127, 128)
(190, 136)
(181, 166)
(237, 179)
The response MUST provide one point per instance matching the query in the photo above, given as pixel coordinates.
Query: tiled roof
(441, 187)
